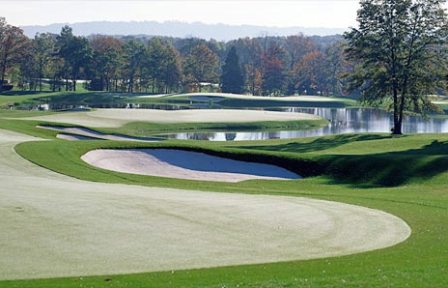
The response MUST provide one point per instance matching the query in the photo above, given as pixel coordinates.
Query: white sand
(73, 137)
(77, 133)
(118, 117)
(184, 165)
(52, 225)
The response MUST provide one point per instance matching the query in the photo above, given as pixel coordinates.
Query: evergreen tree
(75, 51)
(232, 78)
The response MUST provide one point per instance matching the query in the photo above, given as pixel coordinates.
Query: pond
(341, 121)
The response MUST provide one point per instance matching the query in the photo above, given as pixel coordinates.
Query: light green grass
(22, 113)
(405, 176)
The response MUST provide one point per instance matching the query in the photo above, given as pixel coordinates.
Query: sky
(304, 13)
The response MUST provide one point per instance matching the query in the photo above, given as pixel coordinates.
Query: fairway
(59, 226)
(113, 118)
(143, 146)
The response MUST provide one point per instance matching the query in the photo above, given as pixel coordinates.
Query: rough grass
(356, 169)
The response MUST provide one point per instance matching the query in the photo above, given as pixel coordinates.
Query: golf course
(224, 144)
(98, 198)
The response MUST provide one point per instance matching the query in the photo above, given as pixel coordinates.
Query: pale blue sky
(306, 13)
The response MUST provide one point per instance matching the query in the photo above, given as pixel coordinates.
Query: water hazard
(341, 121)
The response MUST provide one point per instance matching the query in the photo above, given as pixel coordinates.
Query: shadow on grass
(229, 103)
(369, 170)
(388, 169)
(23, 93)
(318, 144)
(99, 99)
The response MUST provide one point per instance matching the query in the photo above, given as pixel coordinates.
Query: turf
(81, 228)
(421, 199)
(406, 176)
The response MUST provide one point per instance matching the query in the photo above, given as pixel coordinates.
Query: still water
(342, 120)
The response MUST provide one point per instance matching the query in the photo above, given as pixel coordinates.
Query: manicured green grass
(222, 102)
(406, 176)
(148, 129)
(27, 127)
(22, 113)
(80, 97)
(18, 97)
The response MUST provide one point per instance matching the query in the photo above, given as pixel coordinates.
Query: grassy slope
(346, 162)
(105, 99)
(16, 97)
(224, 102)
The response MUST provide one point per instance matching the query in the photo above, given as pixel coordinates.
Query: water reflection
(342, 120)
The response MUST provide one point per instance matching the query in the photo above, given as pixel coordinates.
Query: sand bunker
(55, 226)
(73, 137)
(184, 165)
(113, 118)
(78, 133)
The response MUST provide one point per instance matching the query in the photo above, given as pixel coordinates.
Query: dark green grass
(23, 99)
(222, 102)
(15, 98)
(346, 168)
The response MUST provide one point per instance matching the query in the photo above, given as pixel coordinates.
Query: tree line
(260, 66)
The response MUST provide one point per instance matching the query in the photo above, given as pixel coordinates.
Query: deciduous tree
(107, 60)
(12, 46)
(274, 73)
(400, 45)
(202, 65)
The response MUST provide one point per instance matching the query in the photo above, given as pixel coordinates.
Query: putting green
(53, 225)
(112, 118)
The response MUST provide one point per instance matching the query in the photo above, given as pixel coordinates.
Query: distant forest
(289, 65)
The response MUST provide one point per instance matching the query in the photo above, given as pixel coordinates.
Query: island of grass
(225, 100)
(147, 122)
